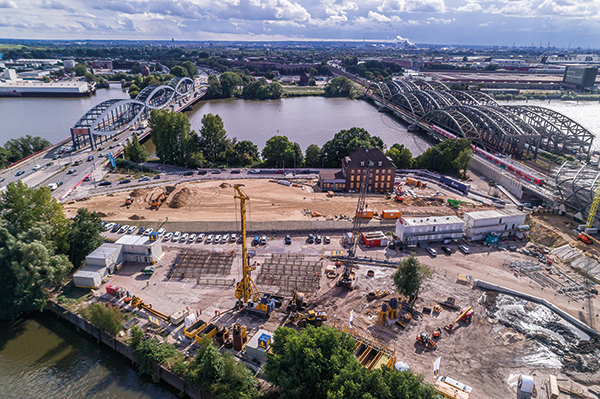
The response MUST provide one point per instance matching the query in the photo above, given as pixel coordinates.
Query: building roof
(134, 240)
(42, 85)
(253, 343)
(332, 175)
(103, 251)
(430, 221)
(362, 156)
(493, 213)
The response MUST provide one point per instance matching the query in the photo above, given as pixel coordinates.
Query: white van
(37, 167)
(53, 186)
(456, 384)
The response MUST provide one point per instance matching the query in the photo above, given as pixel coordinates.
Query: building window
(377, 171)
(376, 177)
(357, 177)
(351, 177)
(389, 171)
(377, 184)
(351, 185)
(389, 178)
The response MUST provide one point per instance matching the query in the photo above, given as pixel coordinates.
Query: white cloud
(470, 7)
(7, 4)
(412, 6)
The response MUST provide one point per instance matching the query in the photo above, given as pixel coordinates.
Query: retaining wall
(165, 375)
(498, 175)
(576, 322)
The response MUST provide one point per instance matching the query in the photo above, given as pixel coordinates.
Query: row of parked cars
(447, 250)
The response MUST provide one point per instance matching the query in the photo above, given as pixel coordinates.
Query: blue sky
(484, 22)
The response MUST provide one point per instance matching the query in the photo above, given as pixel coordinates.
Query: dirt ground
(212, 200)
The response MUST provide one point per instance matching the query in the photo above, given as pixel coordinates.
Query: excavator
(465, 315)
(311, 317)
(158, 201)
(297, 302)
(249, 299)
(457, 203)
(425, 340)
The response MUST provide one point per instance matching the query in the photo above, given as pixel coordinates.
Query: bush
(105, 318)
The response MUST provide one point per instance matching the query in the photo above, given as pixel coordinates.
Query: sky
(562, 23)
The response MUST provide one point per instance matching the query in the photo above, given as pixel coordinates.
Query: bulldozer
(311, 317)
(128, 202)
(425, 340)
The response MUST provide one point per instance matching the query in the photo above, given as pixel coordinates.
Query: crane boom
(593, 208)
(246, 288)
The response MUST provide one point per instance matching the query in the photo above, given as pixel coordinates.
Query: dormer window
(362, 163)
(380, 163)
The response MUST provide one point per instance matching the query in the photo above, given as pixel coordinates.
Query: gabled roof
(364, 155)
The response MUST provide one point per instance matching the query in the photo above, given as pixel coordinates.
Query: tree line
(177, 144)
(17, 149)
(39, 246)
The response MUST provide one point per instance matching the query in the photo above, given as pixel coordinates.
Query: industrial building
(501, 222)
(259, 345)
(580, 77)
(11, 87)
(412, 231)
(108, 258)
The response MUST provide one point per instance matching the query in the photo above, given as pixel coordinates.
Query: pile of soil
(102, 214)
(180, 198)
(225, 185)
(136, 217)
(541, 235)
(138, 192)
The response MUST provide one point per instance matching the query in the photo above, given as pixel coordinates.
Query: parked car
(432, 252)
(202, 172)
(176, 236)
(56, 157)
(116, 228)
(156, 177)
(240, 239)
(233, 237)
(161, 231)
(109, 226)
(192, 238)
(125, 181)
(263, 240)
(209, 239)
(104, 183)
(235, 172)
(225, 239)
(287, 240)
(144, 178)
(168, 236)
(102, 223)
(327, 240)
(447, 250)
(256, 240)
(124, 228)
(217, 239)
(464, 249)
(141, 230)
(201, 237)
(189, 173)
(148, 231)
(311, 238)
(216, 172)
(184, 237)
(318, 239)
(131, 230)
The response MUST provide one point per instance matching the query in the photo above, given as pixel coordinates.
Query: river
(45, 357)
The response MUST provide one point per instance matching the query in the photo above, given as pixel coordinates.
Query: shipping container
(465, 188)
(374, 239)
(391, 214)
(367, 213)
(87, 279)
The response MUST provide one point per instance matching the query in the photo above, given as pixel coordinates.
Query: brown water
(45, 357)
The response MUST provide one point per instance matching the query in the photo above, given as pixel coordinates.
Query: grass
(303, 89)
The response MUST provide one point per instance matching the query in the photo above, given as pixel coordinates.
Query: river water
(44, 357)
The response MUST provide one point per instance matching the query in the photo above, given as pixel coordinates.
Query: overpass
(117, 115)
(510, 130)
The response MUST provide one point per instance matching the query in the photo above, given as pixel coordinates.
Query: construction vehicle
(450, 303)
(137, 302)
(158, 201)
(456, 203)
(297, 303)
(348, 277)
(311, 317)
(248, 297)
(425, 340)
(585, 238)
(465, 315)
(128, 202)
(437, 333)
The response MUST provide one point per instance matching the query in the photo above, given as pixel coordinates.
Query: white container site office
(412, 231)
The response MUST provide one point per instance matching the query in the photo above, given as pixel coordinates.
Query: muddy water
(44, 357)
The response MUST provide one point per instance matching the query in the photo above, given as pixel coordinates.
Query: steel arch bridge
(576, 186)
(113, 116)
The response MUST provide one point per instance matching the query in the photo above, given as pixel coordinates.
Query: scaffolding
(282, 273)
(206, 267)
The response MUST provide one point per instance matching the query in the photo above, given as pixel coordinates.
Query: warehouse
(140, 249)
(412, 231)
(503, 222)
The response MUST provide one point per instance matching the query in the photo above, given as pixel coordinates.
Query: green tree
(410, 276)
(29, 266)
(312, 158)
(235, 382)
(214, 87)
(441, 157)
(136, 335)
(134, 90)
(23, 207)
(279, 151)
(84, 236)
(80, 70)
(175, 143)
(345, 142)
(213, 137)
(191, 69)
(134, 151)
(25, 146)
(103, 317)
(179, 71)
(341, 86)
(400, 156)
(246, 153)
(231, 84)
(463, 160)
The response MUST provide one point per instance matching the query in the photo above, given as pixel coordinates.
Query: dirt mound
(225, 185)
(180, 198)
(136, 217)
(138, 192)
(102, 214)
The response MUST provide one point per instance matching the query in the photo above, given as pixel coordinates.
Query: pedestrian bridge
(117, 115)
(477, 116)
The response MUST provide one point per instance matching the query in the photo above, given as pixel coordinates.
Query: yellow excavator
(311, 317)
(249, 299)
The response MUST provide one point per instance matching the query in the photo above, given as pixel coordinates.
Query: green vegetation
(263, 90)
(341, 86)
(345, 142)
(279, 151)
(400, 156)
(84, 236)
(410, 276)
(175, 143)
(139, 82)
(104, 317)
(319, 363)
(312, 157)
(372, 69)
(213, 137)
(447, 157)
(134, 151)
(17, 149)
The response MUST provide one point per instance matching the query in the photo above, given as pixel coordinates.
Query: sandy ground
(212, 200)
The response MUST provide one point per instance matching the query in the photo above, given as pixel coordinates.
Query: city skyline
(561, 23)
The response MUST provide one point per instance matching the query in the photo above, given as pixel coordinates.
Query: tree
(463, 160)
(191, 69)
(341, 86)
(410, 275)
(345, 142)
(441, 158)
(134, 151)
(23, 207)
(312, 158)
(171, 134)
(179, 71)
(213, 137)
(214, 87)
(231, 83)
(84, 236)
(400, 155)
(29, 266)
(280, 151)
(25, 146)
(103, 317)
(80, 70)
(246, 153)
